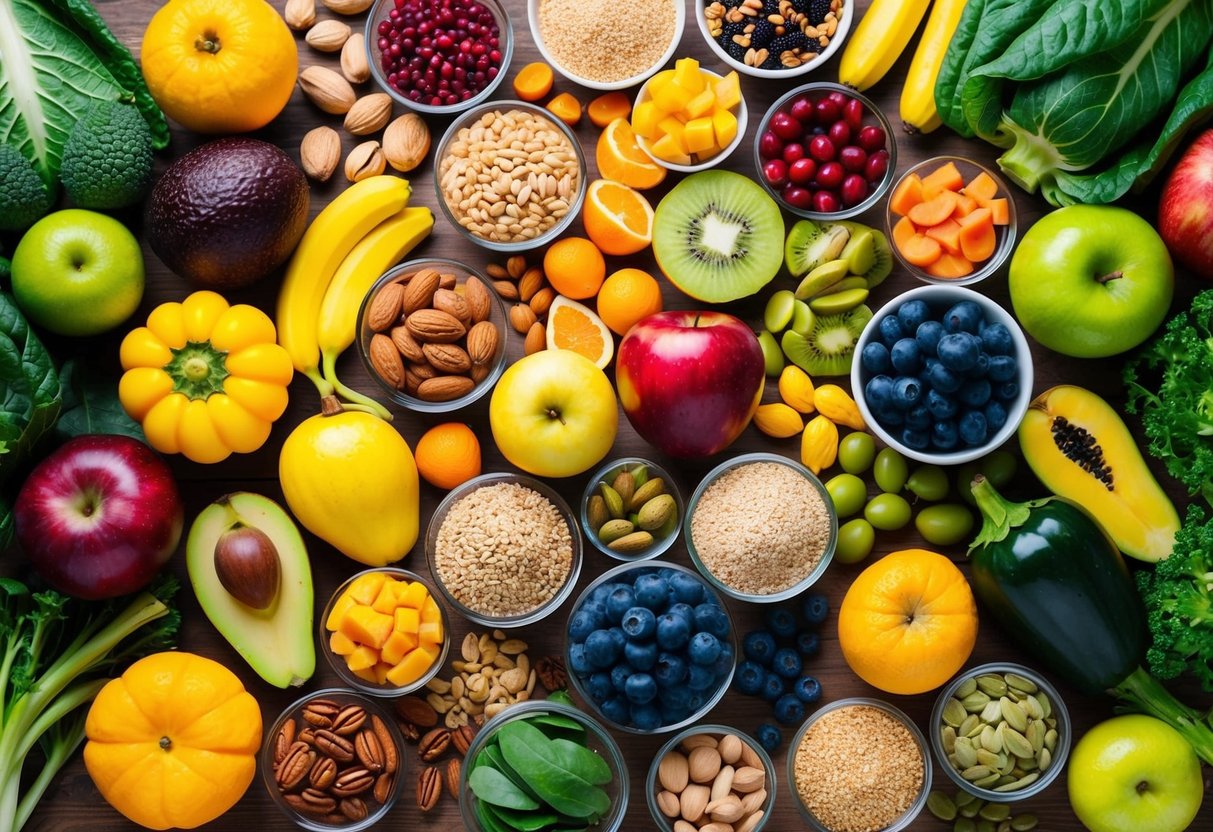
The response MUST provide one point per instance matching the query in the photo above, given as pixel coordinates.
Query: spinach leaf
(491, 756)
(556, 726)
(581, 761)
(30, 395)
(491, 786)
(489, 820)
(528, 752)
(90, 405)
(526, 821)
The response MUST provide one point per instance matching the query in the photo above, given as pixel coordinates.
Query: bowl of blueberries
(944, 374)
(650, 647)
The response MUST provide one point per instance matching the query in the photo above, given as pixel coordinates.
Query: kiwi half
(829, 347)
(717, 236)
(811, 244)
(874, 265)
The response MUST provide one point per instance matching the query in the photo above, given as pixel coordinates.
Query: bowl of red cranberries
(825, 152)
(439, 56)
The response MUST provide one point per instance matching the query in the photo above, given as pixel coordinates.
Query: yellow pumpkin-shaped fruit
(172, 743)
(350, 479)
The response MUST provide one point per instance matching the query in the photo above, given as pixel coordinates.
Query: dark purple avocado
(228, 213)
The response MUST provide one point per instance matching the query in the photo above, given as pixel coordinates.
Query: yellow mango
(386, 602)
(411, 668)
(340, 607)
(366, 627)
(430, 612)
(430, 633)
(686, 75)
(408, 620)
(699, 136)
(413, 595)
(701, 105)
(365, 590)
(362, 658)
(341, 644)
(645, 118)
(668, 149)
(724, 124)
(675, 129)
(728, 91)
(397, 647)
(666, 95)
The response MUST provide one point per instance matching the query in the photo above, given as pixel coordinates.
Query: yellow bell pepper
(204, 378)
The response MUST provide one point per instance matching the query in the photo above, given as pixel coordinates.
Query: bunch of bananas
(358, 236)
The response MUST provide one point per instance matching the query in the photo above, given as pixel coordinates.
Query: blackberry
(735, 50)
(729, 30)
(801, 6)
(772, 62)
(763, 32)
(783, 43)
(818, 9)
(770, 7)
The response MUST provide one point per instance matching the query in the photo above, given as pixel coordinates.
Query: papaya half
(1081, 450)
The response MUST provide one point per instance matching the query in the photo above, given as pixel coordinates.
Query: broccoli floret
(23, 195)
(107, 160)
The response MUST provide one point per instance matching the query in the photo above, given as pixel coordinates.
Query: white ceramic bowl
(840, 34)
(743, 119)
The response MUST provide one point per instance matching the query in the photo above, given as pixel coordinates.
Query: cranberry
(792, 152)
(802, 171)
(825, 202)
(854, 190)
(852, 111)
(439, 52)
(785, 127)
(840, 133)
(770, 146)
(821, 149)
(839, 98)
(871, 138)
(830, 175)
(776, 173)
(802, 110)
(853, 158)
(877, 165)
(827, 110)
(798, 197)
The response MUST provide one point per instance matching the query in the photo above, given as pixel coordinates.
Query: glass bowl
(840, 34)
(607, 474)
(599, 741)
(350, 678)
(497, 315)
(574, 202)
(1005, 234)
(505, 43)
(665, 824)
(317, 823)
(877, 192)
(742, 112)
(908, 816)
(1060, 753)
(795, 589)
(939, 297)
(479, 616)
(628, 572)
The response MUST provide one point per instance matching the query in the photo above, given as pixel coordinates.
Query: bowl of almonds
(432, 334)
(333, 760)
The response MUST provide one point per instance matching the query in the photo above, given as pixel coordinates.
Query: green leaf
(30, 395)
(581, 761)
(524, 821)
(556, 726)
(91, 405)
(491, 755)
(491, 786)
(528, 751)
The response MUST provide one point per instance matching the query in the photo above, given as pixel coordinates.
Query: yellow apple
(554, 414)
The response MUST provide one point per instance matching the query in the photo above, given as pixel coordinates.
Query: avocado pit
(247, 565)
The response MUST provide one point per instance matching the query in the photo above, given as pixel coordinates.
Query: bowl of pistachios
(632, 509)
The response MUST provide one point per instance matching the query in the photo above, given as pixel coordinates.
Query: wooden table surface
(73, 803)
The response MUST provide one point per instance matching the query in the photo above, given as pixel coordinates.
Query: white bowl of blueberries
(942, 374)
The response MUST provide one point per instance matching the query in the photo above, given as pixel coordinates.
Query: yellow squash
(918, 112)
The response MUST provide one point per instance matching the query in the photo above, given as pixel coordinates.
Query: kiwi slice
(772, 356)
(778, 313)
(838, 302)
(882, 262)
(828, 349)
(860, 251)
(716, 236)
(802, 318)
(822, 278)
(844, 285)
(810, 244)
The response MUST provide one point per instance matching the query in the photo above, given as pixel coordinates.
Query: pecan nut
(353, 808)
(352, 782)
(552, 673)
(320, 712)
(336, 746)
(462, 738)
(323, 773)
(294, 766)
(284, 741)
(434, 744)
(349, 721)
(417, 711)
(454, 770)
(429, 788)
(391, 755)
(369, 751)
(316, 802)
(382, 789)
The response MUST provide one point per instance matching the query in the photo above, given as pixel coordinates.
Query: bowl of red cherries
(825, 152)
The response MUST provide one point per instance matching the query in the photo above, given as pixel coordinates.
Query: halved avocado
(276, 641)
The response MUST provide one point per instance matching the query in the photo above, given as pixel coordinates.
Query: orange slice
(620, 158)
(618, 219)
(572, 326)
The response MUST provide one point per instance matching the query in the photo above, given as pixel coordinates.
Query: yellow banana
(336, 229)
(384, 247)
(918, 112)
(878, 40)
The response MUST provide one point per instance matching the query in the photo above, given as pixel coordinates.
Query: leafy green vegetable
(528, 752)
(581, 761)
(527, 821)
(491, 786)
(1176, 399)
(90, 405)
(30, 396)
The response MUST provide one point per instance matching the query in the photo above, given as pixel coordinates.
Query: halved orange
(620, 158)
(617, 218)
(572, 326)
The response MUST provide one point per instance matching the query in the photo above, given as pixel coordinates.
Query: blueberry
(875, 357)
(906, 356)
(808, 643)
(1003, 368)
(958, 351)
(640, 688)
(675, 700)
(781, 621)
(965, 316)
(641, 655)
(982, 368)
(816, 607)
(1006, 390)
(671, 669)
(601, 650)
(695, 701)
(704, 649)
(996, 416)
(650, 591)
(879, 392)
(912, 314)
(639, 623)
(807, 690)
(619, 676)
(684, 611)
(889, 416)
(673, 631)
(769, 737)
(759, 646)
(579, 662)
(711, 618)
(645, 717)
(890, 330)
(907, 390)
(773, 687)
(941, 406)
(916, 438)
(619, 637)
(942, 379)
(581, 625)
(787, 663)
(975, 392)
(996, 339)
(619, 602)
(687, 588)
(973, 428)
(599, 687)
(603, 592)
(749, 678)
(928, 335)
(788, 709)
(597, 612)
(616, 710)
(944, 435)
(701, 678)
(919, 417)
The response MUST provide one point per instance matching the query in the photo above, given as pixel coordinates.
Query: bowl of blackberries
(942, 374)
(650, 647)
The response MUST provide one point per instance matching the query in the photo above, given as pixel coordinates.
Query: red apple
(1185, 212)
(689, 382)
(99, 516)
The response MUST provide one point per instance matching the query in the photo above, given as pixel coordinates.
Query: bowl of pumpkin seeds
(1001, 732)
(631, 509)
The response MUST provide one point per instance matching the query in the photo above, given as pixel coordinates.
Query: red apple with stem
(689, 382)
(99, 516)
(1185, 211)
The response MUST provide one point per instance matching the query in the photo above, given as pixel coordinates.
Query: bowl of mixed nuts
(333, 760)
(774, 38)
(632, 509)
(432, 334)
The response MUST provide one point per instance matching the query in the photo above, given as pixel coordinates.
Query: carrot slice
(606, 108)
(934, 211)
(946, 177)
(907, 194)
(920, 250)
(964, 205)
(950, 267)
(533, 81)
(903, 230)
(947, 234)
(977, 238)
(982, 188)
(1000, 211)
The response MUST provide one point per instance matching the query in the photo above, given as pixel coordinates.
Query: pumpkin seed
(1031, 706)
(976, 772)
(965, 688)
(966, 755)
(990, 740)
(987, 758)
(964, 825)
(1045, 704)
(971, 727)
(963, 799)
(1021, 683)
(1051, 739)
(947, 737)
(954, 713)
(986, 782)
(1043, 758)
(1017, 744)
(1003, 779)
(1014, 714)
(975, 702)
(970, 810)
(992, 685)
(1008, 764)
(1026, 780)
(995, 811)
(986, 826)
(941, 806)
(1024, 823)
(1036, 734)
(992, 713)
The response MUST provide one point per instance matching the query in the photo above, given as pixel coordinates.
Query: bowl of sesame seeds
(774, 38)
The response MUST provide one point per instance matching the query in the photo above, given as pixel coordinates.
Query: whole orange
(627, 296)
(575, 268)
(219, 66)
(908, 622)
(448, 455)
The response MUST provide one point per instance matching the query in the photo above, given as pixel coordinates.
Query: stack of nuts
(419, 721)
(335, 762)
(532, 296)
(712, 783)
(432, 337)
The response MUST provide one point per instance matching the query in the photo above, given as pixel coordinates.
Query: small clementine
(448, 455)
(627, 296)
(575, 268)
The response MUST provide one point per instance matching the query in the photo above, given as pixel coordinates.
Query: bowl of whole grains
(1023, 732)
(761, 528)
(504, 549)
(509, 175)
(631, 509)
(774, 38)
(602, 45)
(711, 773)
(859, 765)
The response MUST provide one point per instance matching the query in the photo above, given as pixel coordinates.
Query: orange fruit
(448, 455)
(572, 326)
(617, 218)
(627, 296)
(620, 158)
(575, 268)
(908, 622)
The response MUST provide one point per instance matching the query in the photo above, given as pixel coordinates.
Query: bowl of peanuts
(509, 175)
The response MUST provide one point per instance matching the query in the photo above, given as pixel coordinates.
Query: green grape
(928, 482)
(856, 452)
(945, 524)
(890, 471)
(887, 512)
(855, 541)
(998, 467)
(848, 492)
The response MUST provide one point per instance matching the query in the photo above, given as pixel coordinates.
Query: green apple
(1091, 280)
(1134, 773)
(554, 414)
(77, 272)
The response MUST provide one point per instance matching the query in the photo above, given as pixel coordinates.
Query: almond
(385, 359)
(692, 801)
(320, 153)
(327, 36)
(482, 342)
(531, 282)
(385, 307)
(521, 318)
(479, 372)
(506, 290)
(730, 748)
(476, 296)
(704, 764)
(407, 344)
(515, 266)
(354, 66)
(749, 779)
(447, 358)
(541, 302)
(365, 160)
(433, 326)
(406, 142)
(369, 114)
(299, 14)
(348, 6)
(420, 291)
(327, 89)
(673, 772)
(536, 339)
(414, 374)
(446, 280)
(444, 388)
(453, 304)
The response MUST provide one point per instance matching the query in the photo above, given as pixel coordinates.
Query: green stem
(998, 514)
(330, 375)
(320, 381)
(63, 705)
(1144, 693)
(1030, 160)
(61, 751)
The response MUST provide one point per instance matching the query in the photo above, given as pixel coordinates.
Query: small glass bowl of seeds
(632, 509)
(1001, 732)
(774, 38)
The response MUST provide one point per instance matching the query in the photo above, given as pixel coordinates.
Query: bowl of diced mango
(688, 118)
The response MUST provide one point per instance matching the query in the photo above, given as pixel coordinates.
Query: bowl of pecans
(432, 334)
(332, 760)
(774, 38)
